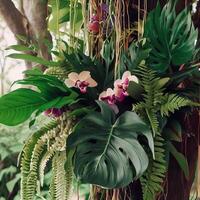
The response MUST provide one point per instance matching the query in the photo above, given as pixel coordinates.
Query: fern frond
(26, 156)
(58, 186)
(152, 97)
(69, 176)
(46, 158)
(173, 102)
(151, 114)
(152, 179)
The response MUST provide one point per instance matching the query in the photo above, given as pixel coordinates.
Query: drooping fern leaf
(68, 176)
(173, 102)
(58, 186)
(152, 179)
(27, 156)
(61, 184)
(39, 149)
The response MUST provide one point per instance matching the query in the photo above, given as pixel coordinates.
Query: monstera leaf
(172, 37)
(107, 150)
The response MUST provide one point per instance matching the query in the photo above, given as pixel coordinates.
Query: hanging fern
(40, 148)
(58, 186)
(68, 177)
(27, 156)
(152, 179)
(61, 183)
(173, 102)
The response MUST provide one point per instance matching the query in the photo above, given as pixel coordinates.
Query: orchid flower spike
(81, 81)
(121, 85)
(108, 96)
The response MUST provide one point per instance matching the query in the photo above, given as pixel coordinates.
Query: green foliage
(78, 61)
(137, 53)
(153, 178)
(58, 186)
(65, 11)
(29, 154)
(171, 37)
(153, 91)
(33, 59)
(17, 106)
(114, 140)
(173, 102)
(172, 131)
(180, 158)
(43, 146)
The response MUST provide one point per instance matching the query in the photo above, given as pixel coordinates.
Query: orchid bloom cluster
(120, 91)
(111, 96)
(81, 81)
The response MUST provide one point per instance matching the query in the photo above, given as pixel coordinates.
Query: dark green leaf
(20, 48)
(108, 149)
(135, 90)
(31, 58)
(173, 131)
(17, 106)
(180, 158)
(171, 37)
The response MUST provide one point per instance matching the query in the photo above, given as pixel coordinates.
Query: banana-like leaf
(172, 37)
(17, 106)
(108, 152)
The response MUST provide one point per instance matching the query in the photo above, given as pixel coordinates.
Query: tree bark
(30, 22)
(37, 12)
(13, 17)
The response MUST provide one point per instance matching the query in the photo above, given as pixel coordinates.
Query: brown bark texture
(30, 21)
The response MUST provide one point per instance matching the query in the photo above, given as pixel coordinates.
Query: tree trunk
(30, 21)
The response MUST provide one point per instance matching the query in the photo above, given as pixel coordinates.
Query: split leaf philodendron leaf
(17, 106)
(171, 37)
(108, 152)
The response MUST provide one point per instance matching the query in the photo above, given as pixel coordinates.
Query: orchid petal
(84, 75)
(103, 94)
(133, 78)
(73, 76)
(69, 83)
(126, 75)
(117, 83)
(110, 92)
(91, 82)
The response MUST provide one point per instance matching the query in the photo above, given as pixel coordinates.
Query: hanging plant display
(112, 95)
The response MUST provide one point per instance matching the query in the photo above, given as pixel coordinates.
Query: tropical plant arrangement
(113, 106)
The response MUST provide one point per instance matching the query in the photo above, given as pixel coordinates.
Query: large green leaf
(180, 158)
(34, 59)
(17, 106)
(172, 37)
(108, 152)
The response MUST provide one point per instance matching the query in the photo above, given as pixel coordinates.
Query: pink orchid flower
(108, 96)
(54, 112)
(121, 85)
(81, 81)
